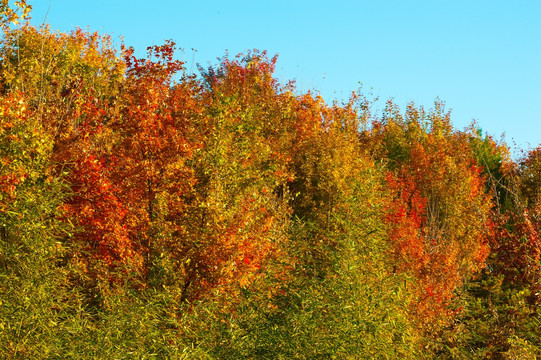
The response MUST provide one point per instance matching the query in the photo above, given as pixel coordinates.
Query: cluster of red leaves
(95, 208)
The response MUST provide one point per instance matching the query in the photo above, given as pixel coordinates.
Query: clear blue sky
(482, 57)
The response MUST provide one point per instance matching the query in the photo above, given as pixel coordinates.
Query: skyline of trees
(146, 212)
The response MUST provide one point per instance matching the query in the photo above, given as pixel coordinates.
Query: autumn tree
(500, 313)
(238, 217)
(440, 217)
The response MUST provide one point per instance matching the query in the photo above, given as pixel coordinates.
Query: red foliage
(98, 212)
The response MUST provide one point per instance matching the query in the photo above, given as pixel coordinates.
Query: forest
(150, 213)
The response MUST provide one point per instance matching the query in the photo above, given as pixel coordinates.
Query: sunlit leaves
(303, 228)
(440, 215)
(13, 15)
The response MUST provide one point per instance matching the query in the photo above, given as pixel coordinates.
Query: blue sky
(483, 58)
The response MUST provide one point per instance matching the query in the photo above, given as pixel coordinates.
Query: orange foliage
(438, 220)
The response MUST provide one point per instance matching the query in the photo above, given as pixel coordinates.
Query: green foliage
(497, 320)
(32, 300)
